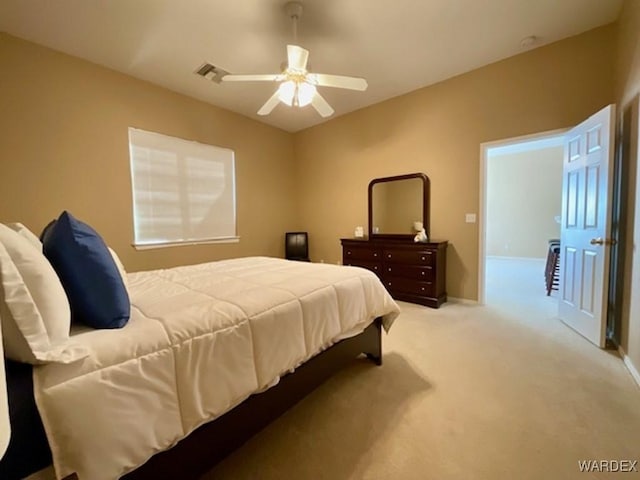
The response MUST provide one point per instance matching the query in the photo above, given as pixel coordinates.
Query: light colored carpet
(503, 391)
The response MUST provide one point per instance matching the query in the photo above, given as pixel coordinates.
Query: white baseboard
(462, 301)
(632, 369)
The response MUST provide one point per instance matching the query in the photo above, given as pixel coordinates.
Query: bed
(205, 361)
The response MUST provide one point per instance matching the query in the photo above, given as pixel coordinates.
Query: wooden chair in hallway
(552, 269)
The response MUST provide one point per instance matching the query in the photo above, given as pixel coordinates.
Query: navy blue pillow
(46, 229)
(89, 275)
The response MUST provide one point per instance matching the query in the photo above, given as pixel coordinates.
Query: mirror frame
(426, 191)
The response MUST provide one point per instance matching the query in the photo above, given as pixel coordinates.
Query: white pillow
(123, 272)
(26, 233)
(34, 309)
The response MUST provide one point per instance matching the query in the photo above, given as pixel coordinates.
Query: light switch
(470, 218)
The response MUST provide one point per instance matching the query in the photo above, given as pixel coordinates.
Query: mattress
(200, 340)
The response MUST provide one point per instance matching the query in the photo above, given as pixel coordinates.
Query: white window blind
(183, 191)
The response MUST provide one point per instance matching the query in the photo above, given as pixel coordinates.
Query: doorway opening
(520, 208)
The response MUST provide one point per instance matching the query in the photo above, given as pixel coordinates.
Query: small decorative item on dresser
(421, 236)
(359, 233)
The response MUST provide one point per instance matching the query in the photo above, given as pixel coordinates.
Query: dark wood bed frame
(209, 444)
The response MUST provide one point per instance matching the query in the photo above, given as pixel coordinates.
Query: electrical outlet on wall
(470, 218)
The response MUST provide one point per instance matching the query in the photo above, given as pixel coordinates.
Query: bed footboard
(372, 343)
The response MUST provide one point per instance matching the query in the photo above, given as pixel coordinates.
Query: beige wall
(627, 92)
(438, 130)
(524, 194)
(64, 145)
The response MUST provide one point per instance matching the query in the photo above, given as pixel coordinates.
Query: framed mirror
(397, 205)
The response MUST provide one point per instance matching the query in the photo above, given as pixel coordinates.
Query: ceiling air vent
(211, 72)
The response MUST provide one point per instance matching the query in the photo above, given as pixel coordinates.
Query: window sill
(151, 246)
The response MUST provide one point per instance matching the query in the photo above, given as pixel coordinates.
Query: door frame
(482, 217)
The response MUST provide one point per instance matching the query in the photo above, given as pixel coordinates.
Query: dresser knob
(389, 269)
(422, 289)
(424, 258)
(389, 283)
(389, 255)
(375, 254)
(375, 268)
(422, 274)
(348, 252)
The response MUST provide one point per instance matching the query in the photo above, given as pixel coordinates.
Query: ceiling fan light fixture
(298, 94)
(286, 92)
(306, 92)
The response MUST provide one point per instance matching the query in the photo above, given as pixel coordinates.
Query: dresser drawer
(361, 253)
(407, 285)
(413, 257)
(374, 267)
(423, 273)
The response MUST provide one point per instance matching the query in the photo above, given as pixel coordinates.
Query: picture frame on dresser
(411, 271)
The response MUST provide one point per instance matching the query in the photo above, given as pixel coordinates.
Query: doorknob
(602, 241)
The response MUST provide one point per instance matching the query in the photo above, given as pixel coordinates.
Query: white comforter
(201, 339)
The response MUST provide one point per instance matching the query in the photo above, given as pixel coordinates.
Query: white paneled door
(586, 219)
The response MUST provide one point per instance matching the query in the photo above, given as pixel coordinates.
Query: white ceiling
(397, 45)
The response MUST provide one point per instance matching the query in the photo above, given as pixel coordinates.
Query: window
(183, 191)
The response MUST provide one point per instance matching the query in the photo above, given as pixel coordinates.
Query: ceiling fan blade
(297, 57)
(338, 81)
(267, 77)
(270, 104)
(321, 105)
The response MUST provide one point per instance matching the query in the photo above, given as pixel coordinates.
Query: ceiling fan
(297, 85)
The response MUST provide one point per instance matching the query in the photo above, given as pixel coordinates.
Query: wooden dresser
(412, 272)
